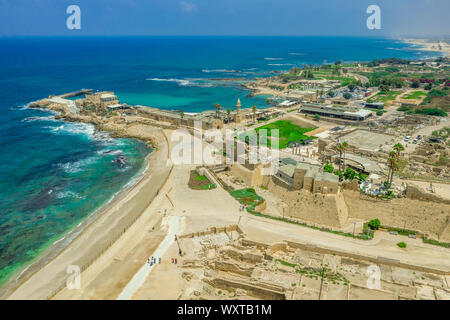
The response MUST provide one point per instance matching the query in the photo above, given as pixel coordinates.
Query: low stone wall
(252, 290)
(233, 268)
(316, 209)
(377, 260)
(213, 230)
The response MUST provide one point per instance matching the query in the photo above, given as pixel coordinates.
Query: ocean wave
(273, 58)
(220, 71)
(31, 119)
(24, 106)
(68, 194)
(280, 64)
(74, 128)
(179, 81)
(296, 54)
(189, 82)
(77, 166)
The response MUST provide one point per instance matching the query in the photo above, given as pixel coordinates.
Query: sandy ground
(440, 189)
(101, 232)
(110, 274)
(198, 210)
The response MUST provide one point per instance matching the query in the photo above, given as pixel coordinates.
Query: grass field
(288, 132)
(415, 95)
(199, 182)
(383, 97)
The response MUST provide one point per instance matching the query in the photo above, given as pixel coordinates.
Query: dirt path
(139, 278)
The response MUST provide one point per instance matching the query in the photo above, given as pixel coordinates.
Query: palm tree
(393, 160)
(398, 147)
(218, 107)
(254, 113)
(182, 116)
(341, 148)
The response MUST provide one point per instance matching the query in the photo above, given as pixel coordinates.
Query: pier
(75, 93)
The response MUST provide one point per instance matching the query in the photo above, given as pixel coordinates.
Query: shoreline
(64, 242)
(428, 45)
(52, 250)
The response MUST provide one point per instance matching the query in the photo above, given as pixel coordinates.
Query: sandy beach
(101, 233)
(430, 45)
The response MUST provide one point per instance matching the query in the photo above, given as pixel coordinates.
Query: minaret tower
(238, 118)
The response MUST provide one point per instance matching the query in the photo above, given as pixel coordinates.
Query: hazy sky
(225, 17)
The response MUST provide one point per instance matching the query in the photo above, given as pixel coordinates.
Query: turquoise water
(55, 174)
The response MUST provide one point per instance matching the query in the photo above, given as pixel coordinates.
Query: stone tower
(238, 118)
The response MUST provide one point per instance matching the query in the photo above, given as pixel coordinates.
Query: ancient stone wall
(251, 178)
(305, 206)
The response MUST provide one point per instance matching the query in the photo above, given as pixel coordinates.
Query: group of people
(241, 207)
(151, 261)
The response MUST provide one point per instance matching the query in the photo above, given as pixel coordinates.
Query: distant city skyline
(400, 18)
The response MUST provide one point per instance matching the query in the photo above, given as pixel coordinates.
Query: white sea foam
(182, 82)
(74, 128)
(296, 54)
(220, 71)
(31, 119)
(68, 194)
(189, 82)
(273, 59)
(77, 166)
(280, 64)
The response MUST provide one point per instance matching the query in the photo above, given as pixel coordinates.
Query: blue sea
(55, 174)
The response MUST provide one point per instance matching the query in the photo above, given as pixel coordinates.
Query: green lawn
(383, 97)
(200, 178)
(247, 197)
(288, 132)
(415, 95)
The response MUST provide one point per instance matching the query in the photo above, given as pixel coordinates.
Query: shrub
(347, 96)
(374, 224)
(432, 112)
(401, 244)
(349, 174)
(437, 93)
(328, 168)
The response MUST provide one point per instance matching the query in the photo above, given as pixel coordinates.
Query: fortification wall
(305, 206)
(251, 178)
